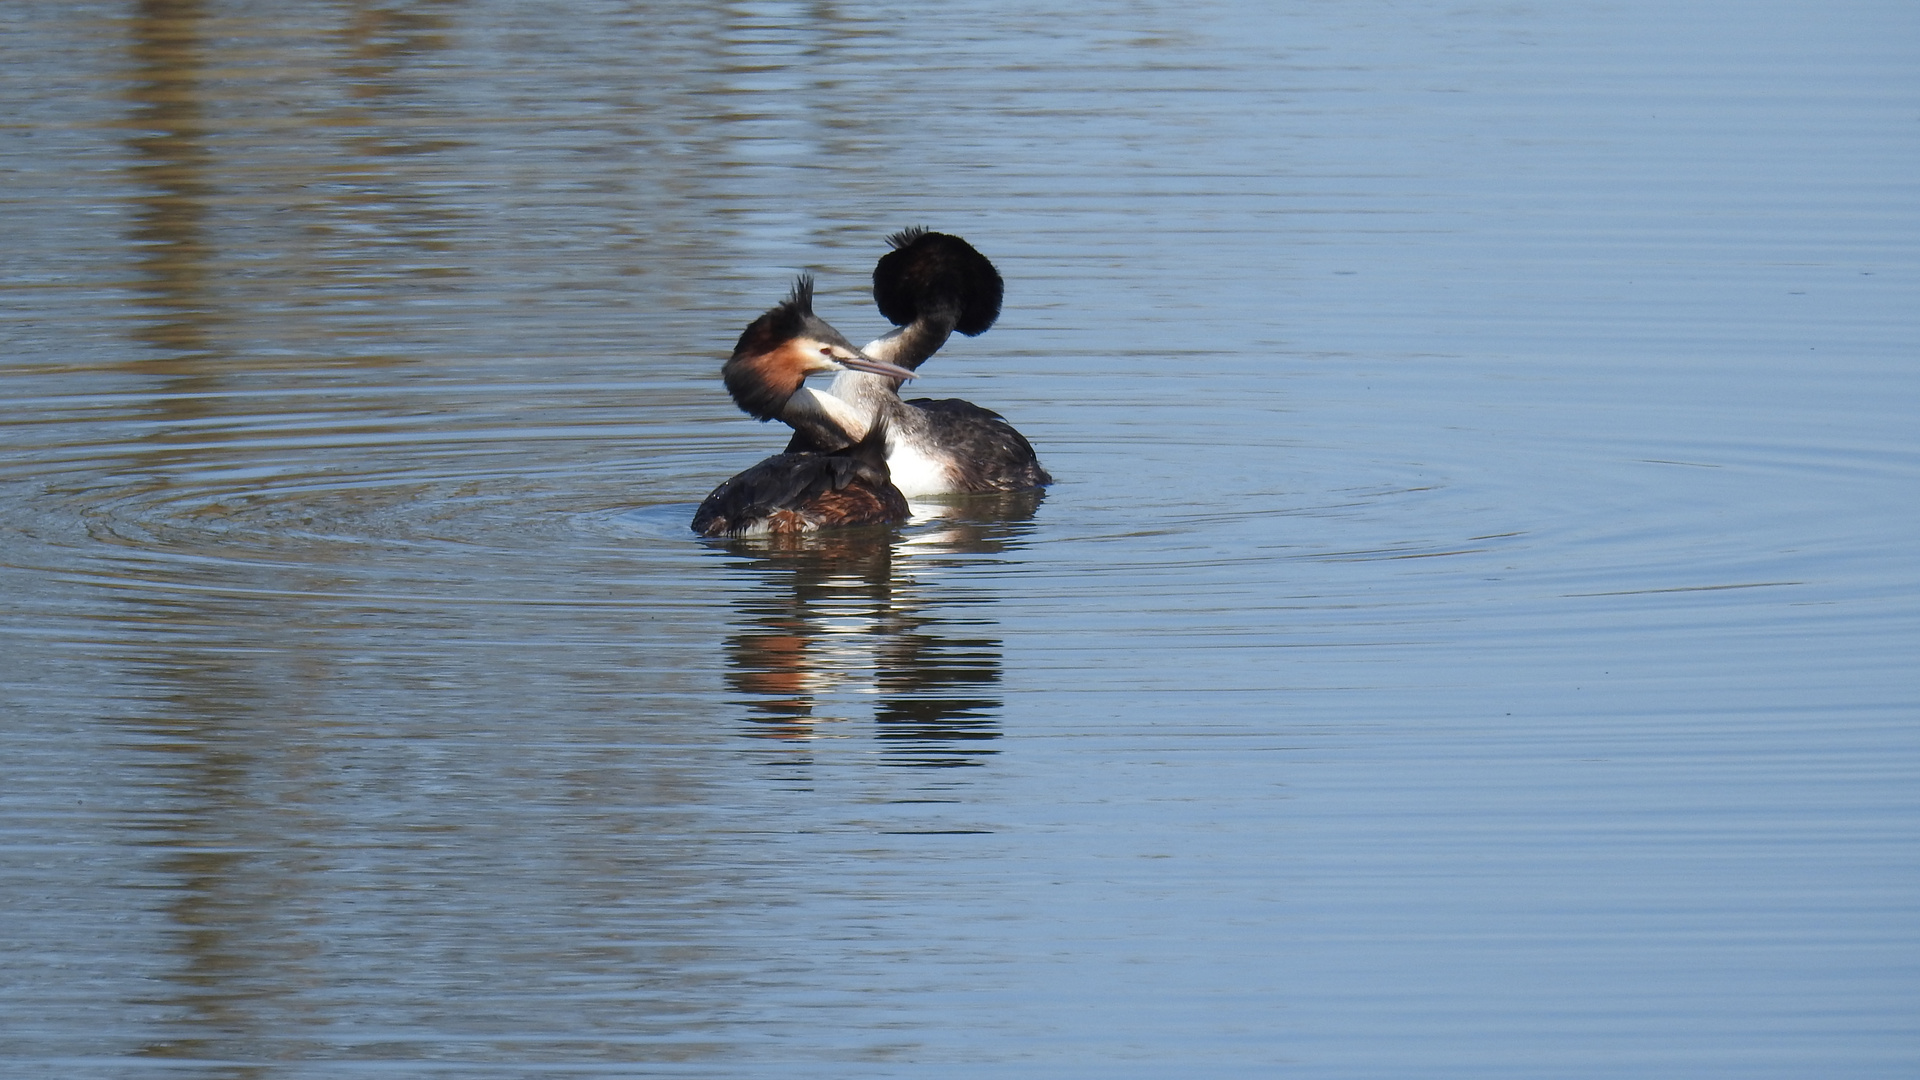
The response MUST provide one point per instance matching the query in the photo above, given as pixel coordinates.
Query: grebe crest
(935, 276)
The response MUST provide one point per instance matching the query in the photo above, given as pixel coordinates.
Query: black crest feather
(906, 236)
(801, 298)
(927, 271)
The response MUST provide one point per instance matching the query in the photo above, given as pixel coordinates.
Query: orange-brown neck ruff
(761, 382)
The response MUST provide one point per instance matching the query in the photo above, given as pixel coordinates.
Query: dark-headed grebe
(799, 492)
(930, 285)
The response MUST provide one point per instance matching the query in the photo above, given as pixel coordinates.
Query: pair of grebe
(858, 451)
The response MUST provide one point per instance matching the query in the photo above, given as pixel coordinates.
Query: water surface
(1472, 633)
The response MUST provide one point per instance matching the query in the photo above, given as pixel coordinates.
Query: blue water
(1473, 632)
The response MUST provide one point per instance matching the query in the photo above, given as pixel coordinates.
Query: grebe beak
(854, 360)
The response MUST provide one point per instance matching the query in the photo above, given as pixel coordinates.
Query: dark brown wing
(793, 492)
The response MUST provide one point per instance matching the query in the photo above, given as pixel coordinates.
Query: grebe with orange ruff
(801, 491)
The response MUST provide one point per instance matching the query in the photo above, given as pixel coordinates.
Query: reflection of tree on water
(830, 619)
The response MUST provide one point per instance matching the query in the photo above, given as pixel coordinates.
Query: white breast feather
(916, 474)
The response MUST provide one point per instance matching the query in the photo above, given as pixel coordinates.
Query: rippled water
(1473, 633)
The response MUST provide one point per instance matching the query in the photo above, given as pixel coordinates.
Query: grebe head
(780, 349)
(934, 276)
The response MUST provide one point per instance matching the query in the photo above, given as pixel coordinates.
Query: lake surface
(1475, 631)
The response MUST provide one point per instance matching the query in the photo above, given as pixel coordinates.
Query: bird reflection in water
(842, 616)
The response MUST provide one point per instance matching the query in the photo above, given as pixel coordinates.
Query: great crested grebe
(929, 285)
(799, 492)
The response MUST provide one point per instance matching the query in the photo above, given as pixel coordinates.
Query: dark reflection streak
(377, 43)
(765, 99)
(379, 39)
(844, 612)
(239, 967)
(198, 766)
(170, 222)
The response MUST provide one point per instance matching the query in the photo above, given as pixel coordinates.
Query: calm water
(1474, 632)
